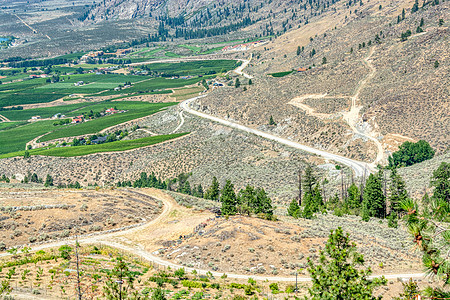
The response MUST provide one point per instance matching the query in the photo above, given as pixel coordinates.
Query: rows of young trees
(249, 200)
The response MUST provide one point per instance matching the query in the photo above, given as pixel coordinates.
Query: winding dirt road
(360, 168)
(126, 241)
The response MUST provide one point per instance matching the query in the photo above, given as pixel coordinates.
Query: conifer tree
(228, 199)
(309, 180)
(237, 83)
(264, 203)
(247, 199)
(354, 197)
(294, 209)
(374, 202)
(397, 191)
(339, 274)
(213, 191)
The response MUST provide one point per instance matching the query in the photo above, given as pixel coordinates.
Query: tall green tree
(213, 192)
(247, 199)
(309, 180)
(229, 199)
(339, 275)
(441, 182)
(374, 201)
(397, 191)
(294, 209)
(264, 203)
(354, 197)
(237, 83)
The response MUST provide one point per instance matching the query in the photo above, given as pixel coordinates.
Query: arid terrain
(30, 216)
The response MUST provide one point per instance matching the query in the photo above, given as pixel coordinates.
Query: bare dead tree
(300, 171)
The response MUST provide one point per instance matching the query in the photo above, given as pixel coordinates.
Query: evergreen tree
(199, 191)
(48, 181)
(415, 7)
(237, 83)
(264, 203)
(354, 197)
(294, 209)
(441, 182)
(228, 199)
(374, 202)
(186, 189)
(397, 191)
(247, 200)
(271, 121)
(436, 64)
(324, 61)
(299, 50)
(309, 180)
(339, 274)
(213, 191)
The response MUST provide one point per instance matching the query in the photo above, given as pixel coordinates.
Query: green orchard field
(15, 139)
(135, 110)
(91, 149)
(38, 90)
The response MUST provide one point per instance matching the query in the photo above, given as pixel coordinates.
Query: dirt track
(143, 240)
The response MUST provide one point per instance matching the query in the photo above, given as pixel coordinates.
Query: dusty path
(143, 240)
(311, 111)
(181, 123)
(351, 117)
(240, 69)
(29, 26)
(360, 168)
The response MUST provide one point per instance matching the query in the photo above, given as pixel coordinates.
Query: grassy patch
(281, 74)
(193, 68)
(171, 54)
(186, 93)
(193, 48)
(108, 147)
(134, 109)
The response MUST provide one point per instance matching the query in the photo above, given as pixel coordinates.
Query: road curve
(106, 239)
(359, 168)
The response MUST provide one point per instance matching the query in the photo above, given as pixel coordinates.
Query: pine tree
(339, 274)
(397, 191)
(48, 181)
(374, 202)
(299, 50)
(441, 182)
(294, 209)
(354, 197)
(271, 121)
(309, 180)
(247, 200)
(264, 203)
(213, 191)
(415, 7)
(237, 83)
(228, 199)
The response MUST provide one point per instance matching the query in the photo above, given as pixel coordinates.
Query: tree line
(248, 201)
(375, 197)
